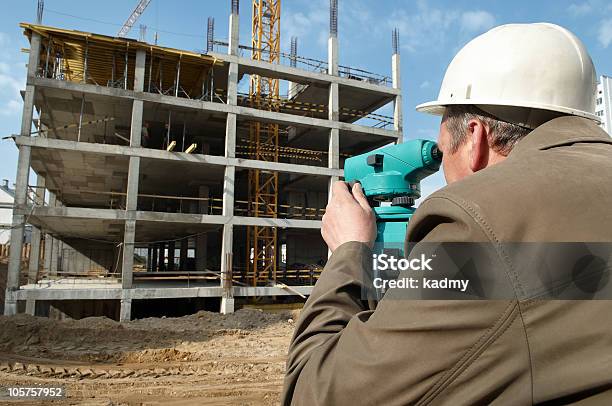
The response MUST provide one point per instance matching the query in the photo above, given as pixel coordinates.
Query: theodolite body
(391, 180)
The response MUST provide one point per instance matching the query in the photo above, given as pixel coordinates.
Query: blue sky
(431, 32)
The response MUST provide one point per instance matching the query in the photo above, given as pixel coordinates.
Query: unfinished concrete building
(157, 179)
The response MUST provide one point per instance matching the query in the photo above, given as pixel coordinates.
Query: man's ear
(479, 145)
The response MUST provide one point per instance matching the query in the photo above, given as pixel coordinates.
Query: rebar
(395, 41)
(210, 35)
(293, 55)
(333, 18)
(39, 11)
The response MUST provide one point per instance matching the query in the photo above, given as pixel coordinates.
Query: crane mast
(263, 137)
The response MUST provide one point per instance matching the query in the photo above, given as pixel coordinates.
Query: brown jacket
(556, 185)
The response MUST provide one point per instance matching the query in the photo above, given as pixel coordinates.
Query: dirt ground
(205, 359)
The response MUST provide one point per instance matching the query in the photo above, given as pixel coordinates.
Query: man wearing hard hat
(526, 163)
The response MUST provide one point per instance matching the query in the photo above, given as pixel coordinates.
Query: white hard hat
(540, 68)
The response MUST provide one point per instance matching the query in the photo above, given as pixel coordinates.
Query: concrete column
(202, 239)
(56, 255)
(149, 255)
(232, 84)
(21, 183)
(47, 254)
(171, 251)
(183, 255)
(333, 105)
(36, 233)
(332, 55)
(136, 123)
(132, 184)
(137, 106)
(160, 259)
(227, 295)
(127, 262)
(125, 313)
(230, 132)
(154, 258)
(34, 264)
(227, 298)
(230, 136)
(398, 124)
(201, 251)
(334, 135)
(139, 70)
(234, 31)
(49, 241)
(130, 225)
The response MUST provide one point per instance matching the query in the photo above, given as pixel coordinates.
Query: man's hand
(348, 217)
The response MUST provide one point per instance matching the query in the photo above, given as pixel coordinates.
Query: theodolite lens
(436, 153)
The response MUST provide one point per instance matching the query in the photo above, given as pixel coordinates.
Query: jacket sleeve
(404, 351)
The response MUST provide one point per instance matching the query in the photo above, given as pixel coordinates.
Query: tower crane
(263, 184)
(140, 8)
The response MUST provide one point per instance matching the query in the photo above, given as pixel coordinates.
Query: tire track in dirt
(205, 358)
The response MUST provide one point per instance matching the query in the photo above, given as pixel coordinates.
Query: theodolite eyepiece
(391, 180)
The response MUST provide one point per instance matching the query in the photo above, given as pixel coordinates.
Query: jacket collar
(564, 130)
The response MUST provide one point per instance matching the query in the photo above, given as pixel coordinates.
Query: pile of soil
(204, 358)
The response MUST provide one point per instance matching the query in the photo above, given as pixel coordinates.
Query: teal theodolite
(390, 178)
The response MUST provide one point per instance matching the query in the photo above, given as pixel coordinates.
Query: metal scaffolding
(263, 184)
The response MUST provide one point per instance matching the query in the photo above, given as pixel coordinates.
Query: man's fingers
(360, 196)
(340, 191)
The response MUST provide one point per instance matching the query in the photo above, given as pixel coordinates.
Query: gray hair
(503, 138)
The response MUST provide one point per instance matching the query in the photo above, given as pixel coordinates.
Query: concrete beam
(137, 293)
(40, 293)
(189, 218)
(267, 69)
(275, 222)
(242, 111)
(75, 212)
(180, 217)
(271, 291)
(120, 150)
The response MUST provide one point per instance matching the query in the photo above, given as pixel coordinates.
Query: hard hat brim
(437, 107)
